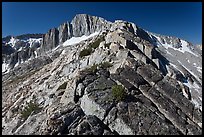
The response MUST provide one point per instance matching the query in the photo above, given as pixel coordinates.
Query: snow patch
(29, 59)
(189, 71)
(199, 69)
(33, 40)
(5, 67)
(197, 104)
(194, 89)
(56, 48)
(159, 43)
(76, 40)
(20, 49)
(63, 52)
(16, 64)
(176, 67)
(36, 55)
(169, 53)
(184, 46)
(12, 42)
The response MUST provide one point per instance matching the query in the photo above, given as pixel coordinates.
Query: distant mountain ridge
(23, 36)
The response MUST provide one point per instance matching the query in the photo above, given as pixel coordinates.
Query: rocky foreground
(117, 82)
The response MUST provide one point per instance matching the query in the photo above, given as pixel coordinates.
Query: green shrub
(31, 107)
(105, 65)
(85, 52)
(90, 48)
(96, 43)
(63, 86)
(118, 92)
(93, 68)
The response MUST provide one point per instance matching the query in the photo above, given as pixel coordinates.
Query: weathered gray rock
(183, 103)
(26, 68)
(31, 125)
(50, 40)
(63, 33)
(129, 74)
(84, 24)
(70, 92)
(122, 81)
(90, 125)
(60, 120)
(149, 73)
(168, 105)
(168, 108)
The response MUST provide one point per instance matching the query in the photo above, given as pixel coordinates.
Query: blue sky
(180, 19)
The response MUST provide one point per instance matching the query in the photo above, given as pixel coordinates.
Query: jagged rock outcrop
(63, 33)
(50, 40)
(119, 81)
(84, 24)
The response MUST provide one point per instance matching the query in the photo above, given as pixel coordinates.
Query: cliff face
(64, 32)
(50, 40)
(82, 24)
(94, 77)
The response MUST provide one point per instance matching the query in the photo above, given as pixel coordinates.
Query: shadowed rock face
(64, 32)
(7, 50)
(50, 40)
(74, 93)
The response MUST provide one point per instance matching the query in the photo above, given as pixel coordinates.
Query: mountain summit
(91, 76)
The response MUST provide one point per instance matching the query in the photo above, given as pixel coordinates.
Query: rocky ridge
(74, 93)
